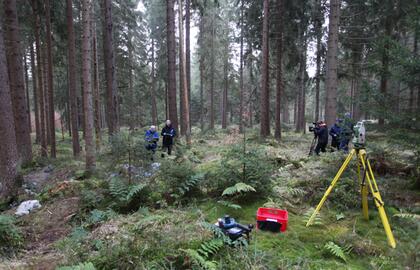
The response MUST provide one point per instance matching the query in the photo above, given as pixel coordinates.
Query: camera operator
(321, 132)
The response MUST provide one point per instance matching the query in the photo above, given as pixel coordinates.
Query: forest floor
(79, 221)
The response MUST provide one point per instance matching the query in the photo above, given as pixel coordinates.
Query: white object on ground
(27, 206)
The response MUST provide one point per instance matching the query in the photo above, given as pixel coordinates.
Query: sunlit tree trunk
(109, 60)
(241, 72)
(265, 91)
(50, 81)
(96, 94)
(331, 79)
(181, 72)
(171, 81)
(153, 87)
(17, 85)
(87, 87)
(212, 70)
(28, 105)
(188, 51)
(318, 33)
(184, 90)
(279, 74)
(35, 94)
(225, 92)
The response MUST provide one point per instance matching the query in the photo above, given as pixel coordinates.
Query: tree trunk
(265, 91)
(130, 101)
(318, 32)
(385, 72)
(8, 147)
(44, 150)
(171, 82)
(28, 105)
(46, 100)
(50, 80)
(35, 95)
(181, 73)
(87, 87)
(331, 80)
(188, 52)
(109, 60)
(17, 87)
(279, 75)
(225, 91)
(96, 94)
(212, 75)
(412, 87)
(72, 80)
(241, 72)
(153, 87)
(184, 90)
(201, 67)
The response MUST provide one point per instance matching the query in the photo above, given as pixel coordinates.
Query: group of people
(152, 138)
(341, 133)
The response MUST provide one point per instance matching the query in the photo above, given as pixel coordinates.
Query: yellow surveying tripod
(373, 187)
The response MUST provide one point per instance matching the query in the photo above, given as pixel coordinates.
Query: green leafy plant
(10, 235)
(124, 193)
(229, 204)
(337, 251)
(200, 260)
(185, 187)
(80, 266)
(238, 189)
(307, 215)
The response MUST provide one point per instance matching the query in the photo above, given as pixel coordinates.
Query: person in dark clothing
(168, 133)
(321, 133)
(346, 132)
(335, 135)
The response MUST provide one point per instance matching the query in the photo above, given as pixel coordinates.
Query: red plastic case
(272, 219)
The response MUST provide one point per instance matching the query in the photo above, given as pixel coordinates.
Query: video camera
(313, 126)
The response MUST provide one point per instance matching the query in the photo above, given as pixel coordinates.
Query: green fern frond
(210, 247)
(408, 216)
(307, 215)
(218, 233)
(337, 251)
(199, 260)
(80, 266)
(238, 188)
(229, 204)
(117, 188)
(133, 191)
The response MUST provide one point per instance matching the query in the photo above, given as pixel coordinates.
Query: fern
(238, 188)
(229, 204)
(408, 216)
(199, 260)
(210, 247)
(337, 251)
(122, 192)
(307, 215)
(188, 185)
(218, 233)
(80, 266)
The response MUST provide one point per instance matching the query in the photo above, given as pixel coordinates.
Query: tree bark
(46, 100)
(153, 87)
(318, 32)
(28, 105)
(72, 80)
(212, 75)
(181, 71)
(96, 94)
(109, 60)
(331, 79)
(8, 147)
(241, 72)
(383, 87)
(50, 80)
(201, 67)
(39, 60)
(87, 87)
(225, 91)
(171, 82)
(265, 91)
(279, 75)
(184, 90)
(16, 80)
(35, 95)
(188, 51)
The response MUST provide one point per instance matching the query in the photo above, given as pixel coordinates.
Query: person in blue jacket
(321, 133)
(335, 135)
(151, 137)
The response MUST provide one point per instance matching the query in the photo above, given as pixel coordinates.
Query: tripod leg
(363, 188)
(378, 202)
(328, 191)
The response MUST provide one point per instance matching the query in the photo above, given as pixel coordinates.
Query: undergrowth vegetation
(135, 213)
